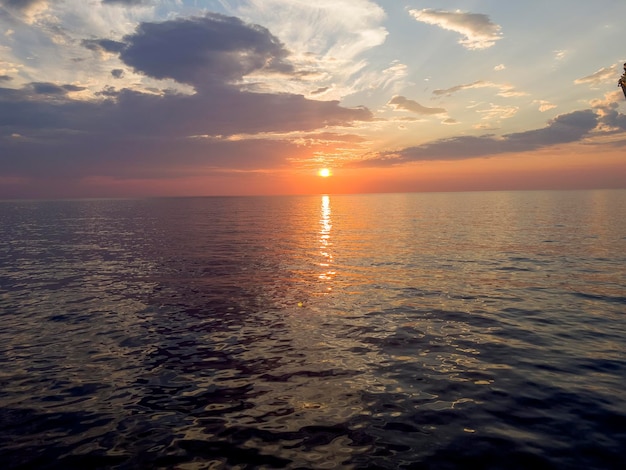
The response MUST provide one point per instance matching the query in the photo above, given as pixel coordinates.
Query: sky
(132, 98)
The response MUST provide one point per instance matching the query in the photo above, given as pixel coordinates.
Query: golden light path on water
(325, 242)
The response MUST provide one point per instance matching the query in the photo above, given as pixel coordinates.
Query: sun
(324, 172)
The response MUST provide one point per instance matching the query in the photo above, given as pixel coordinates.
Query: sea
(478, 330)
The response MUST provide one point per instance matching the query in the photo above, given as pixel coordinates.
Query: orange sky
(568, 169)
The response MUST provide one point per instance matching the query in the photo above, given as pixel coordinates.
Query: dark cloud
(103, 45)
(563, 129)
(132, 157)
(117, 73)
(321, 90)
(225, 113)
(45, 88)
(108, 91)
(171, 115)
(72, 136)
(610, 119)
(201, 51)
(614, 120)
(5, 78)
(39, 108)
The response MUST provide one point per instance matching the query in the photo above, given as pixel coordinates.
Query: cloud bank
(563, 129)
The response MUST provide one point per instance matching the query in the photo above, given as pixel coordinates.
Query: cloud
(42, 108)
(603, 75)
(497, 112)
(103, 45)
(45, 88)
(126, 132)
(329, 40)
(504, 90)
(26, 10)
(334, 30)
(611, 121)
(400, 103)
(320, 91)
(563, 129)
(125, 2)
(23, 5)
(139, 135)
(202, 50)
(544, 105)
(478, 31)
(390, 77)
(128, 157)
(5, 78)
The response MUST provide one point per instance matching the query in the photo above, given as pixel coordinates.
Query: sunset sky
(114, 98)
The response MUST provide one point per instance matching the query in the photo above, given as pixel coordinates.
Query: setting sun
(324, 172)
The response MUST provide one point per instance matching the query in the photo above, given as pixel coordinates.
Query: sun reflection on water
(325, 241)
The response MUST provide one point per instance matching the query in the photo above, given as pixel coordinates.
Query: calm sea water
(434, 331)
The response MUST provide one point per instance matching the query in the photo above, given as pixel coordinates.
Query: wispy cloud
(389, 78)
(401, 103)
(477, 29)
(603, 75)
(504, 90)
(544, 105)
(327, 38)
(498, 112)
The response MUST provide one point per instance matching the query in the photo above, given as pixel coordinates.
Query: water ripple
(398, 331)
